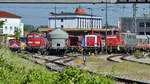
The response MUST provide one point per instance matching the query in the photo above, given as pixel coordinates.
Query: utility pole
(134, 18)
(55, 15)
(91, 22)
(106, 27)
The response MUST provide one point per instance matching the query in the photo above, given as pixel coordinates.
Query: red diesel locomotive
(92, 43)
(114, 40)
(117, 41)
(14, 45)
(36, 42)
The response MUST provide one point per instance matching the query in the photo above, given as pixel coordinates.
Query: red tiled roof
(10, 15)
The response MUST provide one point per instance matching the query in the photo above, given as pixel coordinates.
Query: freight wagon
(74, 42)
(128, 42)
(143, 42)
(58, 42)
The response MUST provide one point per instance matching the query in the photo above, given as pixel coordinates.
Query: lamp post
(91, 21)
(106, 26)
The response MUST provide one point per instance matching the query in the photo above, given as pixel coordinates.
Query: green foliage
(43, 26)
(138, 54)
(13, 73)
(145, 15)
(1, 23)
(17, 32)
(13, 70)
(72, 75)
(29, 27)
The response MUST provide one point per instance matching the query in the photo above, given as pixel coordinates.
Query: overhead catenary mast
(55, 16)
(106, 24)
(134, 18)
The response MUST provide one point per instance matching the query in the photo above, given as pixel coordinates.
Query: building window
(62, 26)
(148, 24)
(141, 24)
(62, 19)
(1, 30)
(10, 28)
(85, 24)
(15, 28)
(6, 28)
(5, 20)
(80, 23)
(97, 23)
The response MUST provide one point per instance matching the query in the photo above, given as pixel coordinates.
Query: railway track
(58, 63)
(117, 58)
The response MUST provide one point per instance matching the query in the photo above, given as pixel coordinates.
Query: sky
(37, 14)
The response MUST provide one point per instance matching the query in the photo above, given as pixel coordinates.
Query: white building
(11, 22)
(74, 20)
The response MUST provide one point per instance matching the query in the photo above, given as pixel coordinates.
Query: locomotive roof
(58, 33)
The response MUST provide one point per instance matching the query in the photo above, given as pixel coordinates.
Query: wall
(11, 24)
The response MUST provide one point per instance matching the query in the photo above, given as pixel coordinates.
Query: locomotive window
(37, 36)
(116, 32)
(23, 40)
(58, 44)
(11, 41)
(109, 33)
(30, 36)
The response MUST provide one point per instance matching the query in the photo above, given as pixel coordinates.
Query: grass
(23, 71)
(127, 69)
(15, 70)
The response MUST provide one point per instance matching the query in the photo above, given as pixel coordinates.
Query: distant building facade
(11, 22)
(74, 20)
(142, 25)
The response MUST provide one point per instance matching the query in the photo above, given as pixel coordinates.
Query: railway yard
(86, 53)
(117, 65)
(124, 61)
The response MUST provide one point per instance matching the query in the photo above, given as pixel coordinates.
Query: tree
(145, 15)
(43, 26)
(1, 23)
(29, 27)
(17, 33)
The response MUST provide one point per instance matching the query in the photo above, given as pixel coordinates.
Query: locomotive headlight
(30, 42)
(37, 42)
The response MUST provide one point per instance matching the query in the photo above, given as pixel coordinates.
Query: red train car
(143, 42)
(114, 40)
(36, 42)
(92, 43)
(74, 42)
(14, 45)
